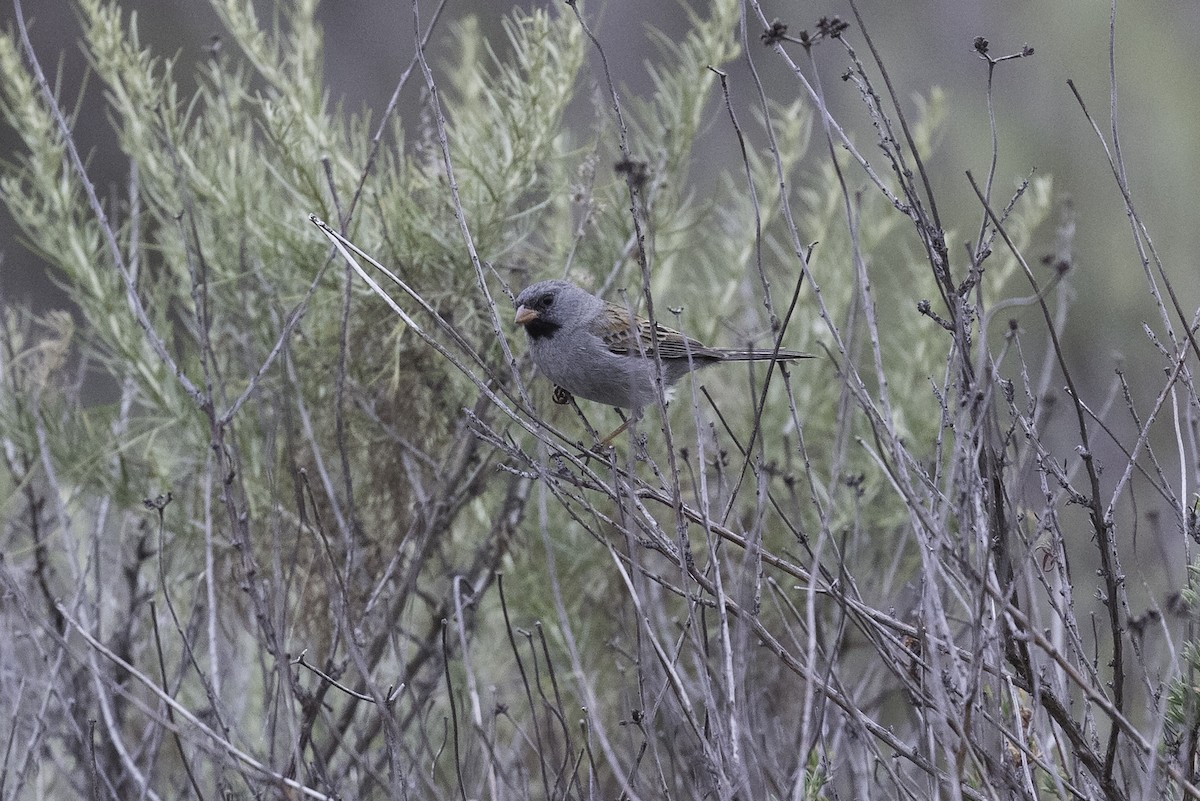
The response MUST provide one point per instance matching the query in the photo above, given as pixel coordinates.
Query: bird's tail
(763, 355)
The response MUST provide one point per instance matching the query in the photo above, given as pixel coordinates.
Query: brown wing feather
(627, 333)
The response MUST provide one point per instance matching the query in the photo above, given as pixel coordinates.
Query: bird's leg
(604, 443)
(600, 446)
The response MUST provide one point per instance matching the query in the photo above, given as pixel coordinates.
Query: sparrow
(600, 351)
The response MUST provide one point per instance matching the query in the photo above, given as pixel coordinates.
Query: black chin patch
(539, 328)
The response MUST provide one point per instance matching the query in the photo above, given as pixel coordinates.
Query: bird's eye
(546, 301)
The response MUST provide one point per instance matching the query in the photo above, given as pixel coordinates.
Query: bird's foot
(601, 450)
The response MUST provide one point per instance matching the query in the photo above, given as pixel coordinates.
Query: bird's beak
(525, 315)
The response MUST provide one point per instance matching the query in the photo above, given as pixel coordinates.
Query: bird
(602, 352)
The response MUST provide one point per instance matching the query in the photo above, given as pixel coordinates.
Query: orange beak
(525, 315)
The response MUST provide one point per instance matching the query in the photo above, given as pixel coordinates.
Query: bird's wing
(629, 334)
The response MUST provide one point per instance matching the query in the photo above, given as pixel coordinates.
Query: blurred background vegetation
(360, 502)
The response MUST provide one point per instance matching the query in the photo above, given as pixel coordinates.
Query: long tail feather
(763, 355)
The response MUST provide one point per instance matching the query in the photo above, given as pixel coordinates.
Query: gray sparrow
(600, 351)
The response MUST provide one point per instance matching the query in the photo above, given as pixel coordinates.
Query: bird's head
(548, 306)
